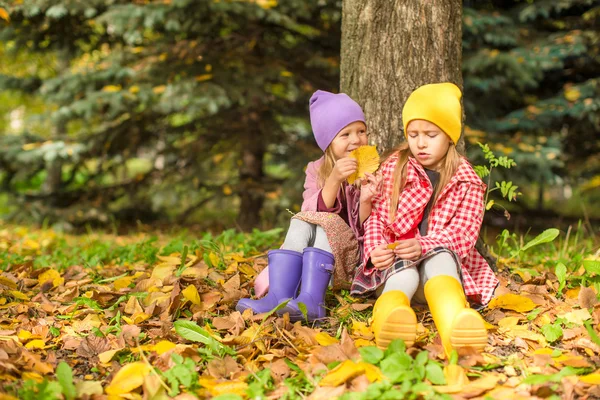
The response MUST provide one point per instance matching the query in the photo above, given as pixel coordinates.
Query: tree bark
(251, 188)
(391, 47)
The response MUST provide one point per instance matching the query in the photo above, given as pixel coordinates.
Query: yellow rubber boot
(458, 325)
(394, 319)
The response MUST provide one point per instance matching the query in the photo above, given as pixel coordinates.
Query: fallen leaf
(130, 377)
(342, 373)
(513, 302)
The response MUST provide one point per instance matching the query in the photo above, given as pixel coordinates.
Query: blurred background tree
(196, 112)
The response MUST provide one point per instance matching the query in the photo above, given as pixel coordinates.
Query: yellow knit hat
(438, 103)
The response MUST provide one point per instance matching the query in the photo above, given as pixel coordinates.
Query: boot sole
(468, 330)
(401, 323)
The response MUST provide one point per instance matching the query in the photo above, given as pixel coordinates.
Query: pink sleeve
(311, 187)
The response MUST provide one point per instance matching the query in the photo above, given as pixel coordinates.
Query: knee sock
(406, 281)
(300, 235)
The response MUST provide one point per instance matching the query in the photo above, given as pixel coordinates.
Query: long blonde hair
(451, 161)
(327, 166)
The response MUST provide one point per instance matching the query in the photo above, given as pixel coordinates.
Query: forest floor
(153, 316)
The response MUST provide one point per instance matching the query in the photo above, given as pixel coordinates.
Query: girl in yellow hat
(420, 237)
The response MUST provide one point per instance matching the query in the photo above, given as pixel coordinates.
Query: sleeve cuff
(321, 206)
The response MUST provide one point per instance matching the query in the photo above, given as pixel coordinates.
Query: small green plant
(510, 242)
(191, 331)
(408, 378)
(508, 190)
(183, 373)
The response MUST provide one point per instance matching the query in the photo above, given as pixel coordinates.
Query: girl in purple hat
(324, 239)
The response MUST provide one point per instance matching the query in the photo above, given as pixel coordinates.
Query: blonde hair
(450, 164)
(327, 166)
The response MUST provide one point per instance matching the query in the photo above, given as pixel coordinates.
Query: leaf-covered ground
(152, 317)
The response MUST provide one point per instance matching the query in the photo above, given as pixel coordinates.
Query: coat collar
(464, 173)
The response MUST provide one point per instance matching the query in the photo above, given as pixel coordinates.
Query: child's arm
(461, 234)
(370, 187)
(344, 167)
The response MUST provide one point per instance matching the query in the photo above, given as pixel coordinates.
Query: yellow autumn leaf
(134, 89)
(163, 346)
(342, 373)
(592, 379)
(372, 372)
(51, 275)
(8, 282)
(324, 339)
(456, 379)
(32, 376)
(234, 387)
(35, 344)
(106, 356)
(130, 377)
(368, 161)
(227, 190)
(392, 246)
(4, 14)
(191, 294)
(123, 282)
(18, 295)
(214, 259)
(513, 302)
(572, 94)
(111, 88)
(23, 335)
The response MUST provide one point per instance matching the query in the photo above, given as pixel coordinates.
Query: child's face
(351, 137)
(428, 143)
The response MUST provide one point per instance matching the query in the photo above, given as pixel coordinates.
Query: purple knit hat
(330, 113)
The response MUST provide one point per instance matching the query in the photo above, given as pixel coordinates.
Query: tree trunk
(251, 189)
(391, 47)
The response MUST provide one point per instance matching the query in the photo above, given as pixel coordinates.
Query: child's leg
(321, 241)
(406, 281)
(393, 318)
(457, 324)
(301, 234)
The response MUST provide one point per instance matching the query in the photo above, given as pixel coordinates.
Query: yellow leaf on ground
(214, 259)
(106, 356)
(35, 344)
(8, 282)
(324, 339)
(514, 302)
(234, 387)
(456, 379)
(163, 346)
(23, 335)
(130, 377)
(123, 282)
(18, 295)
(33, 376)
(368, 161)
(191, 294)
(372, 372)
(342, 373)
(576, 317)
(51, 275)
(592, 379)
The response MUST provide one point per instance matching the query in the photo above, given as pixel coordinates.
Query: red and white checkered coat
(454, 222)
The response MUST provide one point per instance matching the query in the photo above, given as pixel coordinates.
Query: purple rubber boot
(285, 271)
(317, 267)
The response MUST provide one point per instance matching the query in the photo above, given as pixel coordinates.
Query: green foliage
(64, 374)
(408, 378)
(191, 331)
(182, 373)
(507, 189)
(212, 96)
(531, 83)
